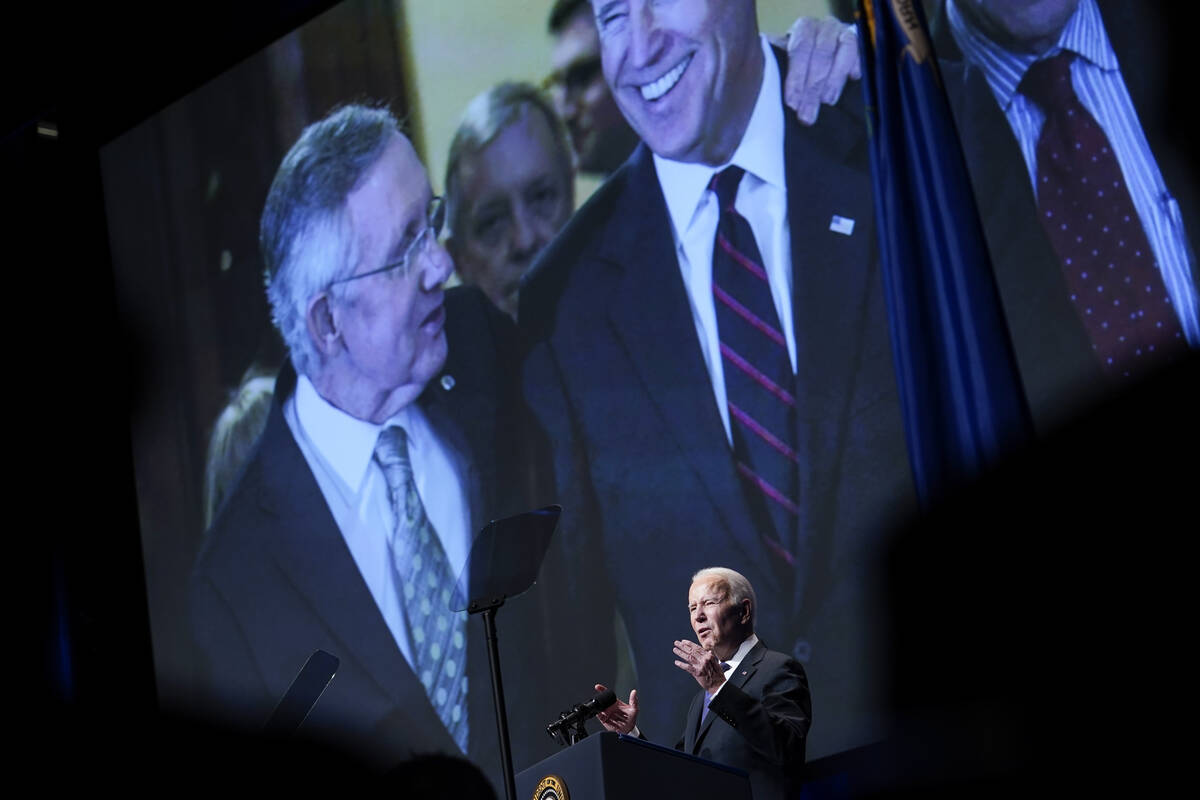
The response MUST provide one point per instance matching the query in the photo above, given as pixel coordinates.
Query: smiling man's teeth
(655, 90)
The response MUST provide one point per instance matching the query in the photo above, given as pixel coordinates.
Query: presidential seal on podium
(551, 787)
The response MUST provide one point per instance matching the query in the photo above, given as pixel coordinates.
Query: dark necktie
(759, 384)
(1090, 219)
(425, 582)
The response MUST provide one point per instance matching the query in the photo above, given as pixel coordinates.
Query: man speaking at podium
(753, 709)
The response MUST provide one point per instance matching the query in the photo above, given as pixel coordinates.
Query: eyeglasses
(575, 77)
(435, 219)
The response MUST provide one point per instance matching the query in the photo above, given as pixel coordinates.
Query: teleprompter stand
(503, 563)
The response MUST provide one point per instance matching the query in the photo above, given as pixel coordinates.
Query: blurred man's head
(599, 133)
(234, 435)
(354, 270)
(1023, 26)
(509, 188)
(686, 73)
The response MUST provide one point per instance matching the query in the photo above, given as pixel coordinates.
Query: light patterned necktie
(425, 583)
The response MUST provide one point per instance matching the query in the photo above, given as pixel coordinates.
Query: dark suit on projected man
(657, 475)
(1000, 124)
(381, 457)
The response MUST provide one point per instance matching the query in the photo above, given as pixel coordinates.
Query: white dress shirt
(741, 653)
(761, 199)
(340, 452)
(1096, 78)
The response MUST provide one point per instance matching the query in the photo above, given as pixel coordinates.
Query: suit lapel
(647, 310)
(312, 554)
(739, 678)
(443, 408)
(692, 723)
(831, 275)
(451, 436)
(1051, 345)
(1137, 38)
(704, 727)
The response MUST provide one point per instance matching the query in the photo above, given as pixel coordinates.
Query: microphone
(579, 714)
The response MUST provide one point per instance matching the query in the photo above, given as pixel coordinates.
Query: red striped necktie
(759, 384)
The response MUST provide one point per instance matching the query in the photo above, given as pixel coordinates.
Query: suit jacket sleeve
(233, 687)
(775, 724)
(573, 573)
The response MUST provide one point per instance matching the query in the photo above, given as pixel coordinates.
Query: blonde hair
(233, 438)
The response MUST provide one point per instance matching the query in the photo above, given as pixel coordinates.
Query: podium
(608, 766)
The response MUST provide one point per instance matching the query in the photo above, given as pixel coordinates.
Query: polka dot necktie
(425, 582)
(759, 384)
(1086, 210)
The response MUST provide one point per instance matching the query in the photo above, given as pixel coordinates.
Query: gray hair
(482, 121)
(737, 584)
(561, 12)
(305, 235)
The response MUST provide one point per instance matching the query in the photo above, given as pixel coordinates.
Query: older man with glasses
(389, 443)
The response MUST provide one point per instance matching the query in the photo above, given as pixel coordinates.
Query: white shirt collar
(1083, 34)
(742, 651)
(345, 442)
(760, 152)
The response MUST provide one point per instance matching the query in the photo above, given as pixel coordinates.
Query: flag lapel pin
(842, 225)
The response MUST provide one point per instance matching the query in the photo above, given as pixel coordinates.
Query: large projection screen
(184, 192)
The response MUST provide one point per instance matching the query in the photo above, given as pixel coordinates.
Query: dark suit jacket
(650, 493)
(276, 580)
(758, 722)
(1058, 368)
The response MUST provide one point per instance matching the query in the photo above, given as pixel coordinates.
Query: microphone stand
(565, 732)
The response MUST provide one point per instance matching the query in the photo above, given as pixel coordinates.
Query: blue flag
(960, 392)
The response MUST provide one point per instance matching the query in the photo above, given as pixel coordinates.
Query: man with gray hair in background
(510, 187)
(389, 442)
(753, 709)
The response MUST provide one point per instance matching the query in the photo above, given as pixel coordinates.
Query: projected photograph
(413, 268)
